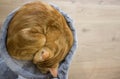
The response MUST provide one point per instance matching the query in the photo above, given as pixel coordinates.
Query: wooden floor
(98, 28)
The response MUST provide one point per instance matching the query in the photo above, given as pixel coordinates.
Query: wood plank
(98, 28)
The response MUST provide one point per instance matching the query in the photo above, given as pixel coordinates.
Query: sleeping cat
(39, 33)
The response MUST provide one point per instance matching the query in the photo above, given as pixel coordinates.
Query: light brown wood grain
(98, 28)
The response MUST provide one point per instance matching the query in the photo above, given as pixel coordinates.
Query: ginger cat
(39, 33)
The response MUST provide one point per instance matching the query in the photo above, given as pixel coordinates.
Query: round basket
(27, 69)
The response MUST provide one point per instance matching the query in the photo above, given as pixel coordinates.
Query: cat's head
(42, 57)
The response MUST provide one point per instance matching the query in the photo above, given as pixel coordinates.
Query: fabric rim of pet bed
(64, 66)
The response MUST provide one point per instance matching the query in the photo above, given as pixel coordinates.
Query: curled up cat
(39, 33)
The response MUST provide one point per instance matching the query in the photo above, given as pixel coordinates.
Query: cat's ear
(54, 71)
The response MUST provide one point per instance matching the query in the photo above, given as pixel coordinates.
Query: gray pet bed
(27, 69)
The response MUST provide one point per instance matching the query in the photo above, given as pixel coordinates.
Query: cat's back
(30, 15)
